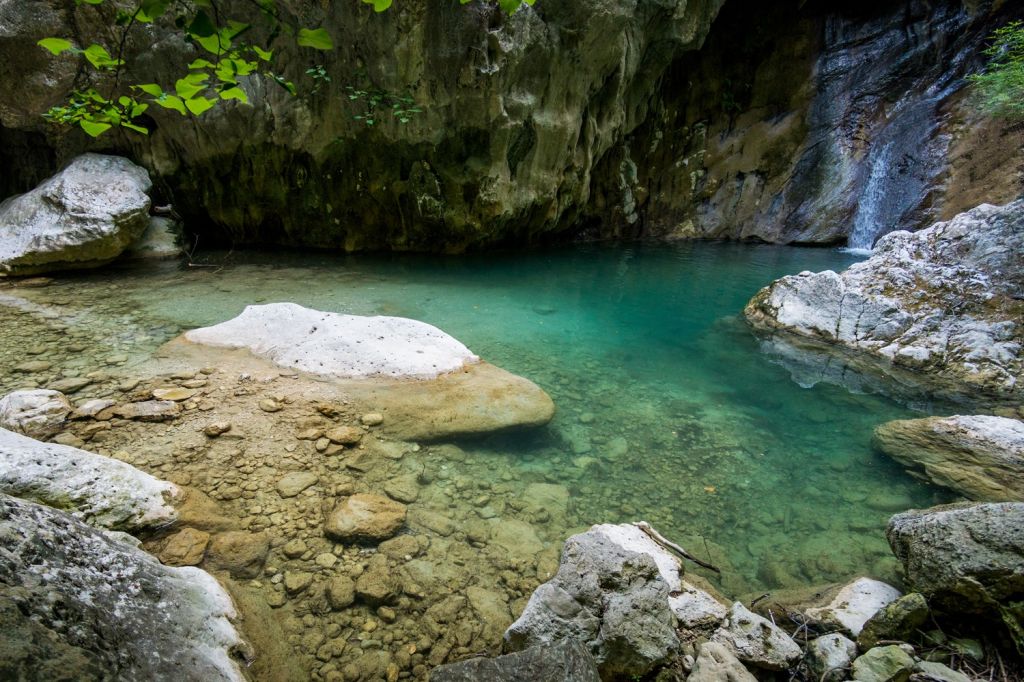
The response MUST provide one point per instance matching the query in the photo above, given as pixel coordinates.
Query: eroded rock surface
(943, 305)
(979, 456)
(565, 661)
(37, 413)
(84, 216)
(854, 605)
(99, 490)
(77, 604)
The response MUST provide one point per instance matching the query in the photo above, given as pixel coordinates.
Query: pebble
(270, 405)
(175, 394)
(295, 583)
(215, 429)
(372, 419)
(70, 385)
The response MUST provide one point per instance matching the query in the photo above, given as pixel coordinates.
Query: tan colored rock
(341, 592)
(175, 394)
(365, 517)
(239, 553)
(147, 411)
(215, 429)
(378, 584)
(344, 435)
(185, 548)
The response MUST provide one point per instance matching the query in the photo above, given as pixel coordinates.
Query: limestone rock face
(564, 661)
(84, 216)
(607, 596)
(979, 456)
(37, 413)
(968, 557)
(85, 606)
(365, 517)
(941, 307)
(99, 490)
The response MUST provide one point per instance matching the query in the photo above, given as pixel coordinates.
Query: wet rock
(399, 547)
(365, 517)
(965, 557)
(883, 664)
(372, 419)
(341, 592)
(378, 584)
(38, 413)
(291, 484)
(564, 661)
(91, 408)
(432, 521)
(716, 663)
(33, 366)
(898, 620)
(148, 410)
(938, 306)
(491, 610)
(174, 394)
(69, 385)
(855, 603)
(297, 582)
(99, 490)
(829, 657)
(239, 553)
(344, 435)
(160, 240)
(979, 456)
(84, 216)
(608, 597)
(757, 640)
(215, 429)
(185, 548)
(293, 549)
(270, 405)
(140, 619)
(403, 488)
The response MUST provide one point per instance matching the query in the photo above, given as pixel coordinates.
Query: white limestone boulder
(37, 413)
(82, 217)
(854, 605)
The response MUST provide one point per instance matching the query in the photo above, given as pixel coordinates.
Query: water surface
(667, 411)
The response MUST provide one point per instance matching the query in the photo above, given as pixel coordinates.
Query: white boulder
(36, 413)
(854, 605)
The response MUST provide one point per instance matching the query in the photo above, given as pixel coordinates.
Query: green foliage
(999, 90)
(217, 77)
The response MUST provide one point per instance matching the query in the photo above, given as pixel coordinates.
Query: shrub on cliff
(1000, 88)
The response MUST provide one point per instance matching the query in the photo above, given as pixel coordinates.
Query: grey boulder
(756, 640)
(35, 413)
(84, 216)
(564, 661)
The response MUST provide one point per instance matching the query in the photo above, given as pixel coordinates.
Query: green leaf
(201, 64)
(318, 39)
(94, 128)
(191, 85)
(172, 102)
(151, 89)
(55, 45)
(136, 128)
(198, 105)
(100, 58)
(235, 93)
(379, 5)
(265, 55)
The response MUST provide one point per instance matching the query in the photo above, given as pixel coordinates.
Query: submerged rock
(455, 392)
(967, 558)
(365, 517)
(78, 604)
(564, 661)
(942, 305)
(979, 456)
(84, 216)
(609, 593)
(99, 490)
(37, 413)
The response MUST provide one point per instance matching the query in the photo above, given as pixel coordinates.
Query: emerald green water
(667, 410)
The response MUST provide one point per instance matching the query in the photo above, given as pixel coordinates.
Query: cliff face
(570, 120)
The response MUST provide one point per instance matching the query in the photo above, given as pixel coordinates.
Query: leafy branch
(999, 90)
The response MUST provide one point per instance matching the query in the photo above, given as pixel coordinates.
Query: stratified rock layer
(979, 456)
(942, 308)
(84, 216)
(76, 604)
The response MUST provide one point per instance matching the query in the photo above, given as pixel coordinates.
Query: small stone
(325, 560)
(322, 444)
(185, 548)
(293, 483)
(293, 549)
(937, 672)
(295, 583)
(403, 488)
(341, 592)
(33, 366)
(240, 553)
(68, 438)
(883, 664)
(310, 434)
(387, 614)
(270, 405)
(378, 584)
(215, 429)
(344, 435)
(195, 383)
(146, 411)
(70, 385)
(276, 599)
(91, 408)
(829, 657)
(365, 517)
(37, 413)
(175, 394)
(372, 419)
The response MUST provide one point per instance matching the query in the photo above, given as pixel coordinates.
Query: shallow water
(666, 409)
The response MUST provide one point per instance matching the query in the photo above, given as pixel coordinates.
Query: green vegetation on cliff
(1000, 88)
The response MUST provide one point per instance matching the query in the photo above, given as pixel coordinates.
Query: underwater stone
(365, 517)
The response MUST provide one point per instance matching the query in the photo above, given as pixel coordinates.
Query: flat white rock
(36, 413)
(337, 345)
(101, 491)
(855, 604)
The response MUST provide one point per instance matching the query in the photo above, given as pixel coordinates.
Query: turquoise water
(667, 410)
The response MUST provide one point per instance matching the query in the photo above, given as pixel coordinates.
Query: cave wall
(571, 120)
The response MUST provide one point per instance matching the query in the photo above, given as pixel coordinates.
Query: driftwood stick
(669, 545)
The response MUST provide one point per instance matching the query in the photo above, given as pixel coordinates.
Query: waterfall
(869, 211)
